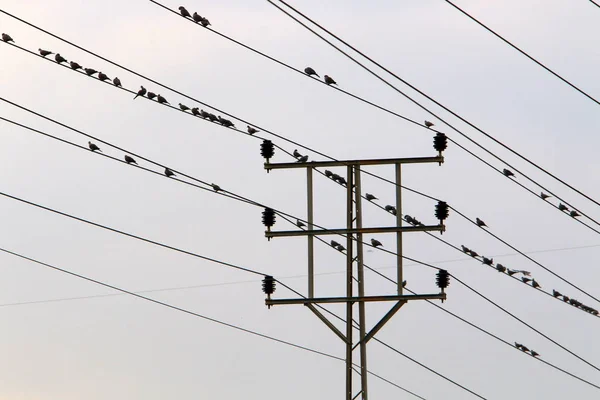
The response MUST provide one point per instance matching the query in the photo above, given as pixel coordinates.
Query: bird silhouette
(296, 153)
(205, 22)
(518, 345)
(342, 181)
(204, 114)
(465, 249)
(197, 18)
(169, 173)
(90, 71)
(370, 197)
(103, 77)
(44, 53)
(535, 353)
(574, 214)
(525, 349)
(507, 173)
(340, 247)
(474, 254)
(376, 243)
(329, 80)
(429, 124)
(500, 267)
(6, 38)
(309, 71)
(151, 95)
(252, 130)
(196, 111)
(487, 261)
(75, 65)
(162, 100)
(562, 207)
(59, 59)
(480, 223)
(544, 196)
(303, 159)
(93, 147)
(391, 209)
(215, 187)
(183, 107)
(334, 243)
(140, 92)
(117, 82)
(212, 117)
(565, 299)
(130, 160)
(184, 13)
(327, 172)
(300, 224)
(556, 293)
(535, 284)
(525, 280)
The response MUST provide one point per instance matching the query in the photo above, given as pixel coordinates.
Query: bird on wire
(310, 72)
(130, 160)
(329, 80)
(376, 243)
(93, 147)
(45, 53)
(184, 13)
(140, 92)
(6, 38)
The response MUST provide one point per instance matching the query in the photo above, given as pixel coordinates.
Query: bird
(376, 243)
(117, 82)
(197, 18)
(300, 224)
(404, 283)
(252, 130)
(507, 172)
(75, 65)
(303, 159)
(341, 180)
(59, 59)
(340, 247)
(90, 71)
(518, 345)
(487, 261)
(544, 196)
(328, 173)
(391, 209)
(525, 280)
(409, 219)
(556, 293)
(212, 117)
(161, 99)
(196, 111)
(500, 268)
(184, 13)
(525, 349)
(429, 124)
(329, 80)
(474, 254)
(151, 95)
(183, 107)
(169, 173)
(215, 187)
(535, 284)
(334, 243)
(44, 53)
(565, 298)
(140, 92)
(562, 207)
(93, 147)
(465, 249)
(6, 38)
(204, 114)
(205, 22)
(309, 71)
(480, 223)
(574, 214)
(535, 353)
(370, 197)
(225, 122)
(129, 160)
(102, 76)
(297, 154)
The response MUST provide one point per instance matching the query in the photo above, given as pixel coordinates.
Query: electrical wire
(421, 93)
(594, 3)
(472, 18)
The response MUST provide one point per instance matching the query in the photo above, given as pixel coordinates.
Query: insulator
(267, 149)
(441, 210)
(440, 142)
(442, 279)
(268, 217)
(268, 285)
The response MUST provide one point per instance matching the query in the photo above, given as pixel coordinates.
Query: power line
(594, 3)
(420, 92)
(522, 51)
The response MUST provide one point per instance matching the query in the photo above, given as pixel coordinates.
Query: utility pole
(354, 232)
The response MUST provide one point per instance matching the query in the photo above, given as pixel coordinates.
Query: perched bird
(6, 38)
(169, 173)
(140, 92)
(465, 249)
(215, 187)
(480, 223)
(518, 345)
(184, 13)
(303, 159)
(562, 207)
(252, 130)
(225, 122)
(370, 197)
(556, 293)
(525, 349)
(212, 117)
(487, 261)
(151, 95)
(535, 284)
(329, 80)
(565, 298)
(59, 59)
(117, 82)
(129, 160)
(335, 177)
(409, 219)
(44, 53)
(340, 247)
(102, 76)
(75, 65)
(376, 243)
(390, 209)
(341, 180)
(335, 244)
(197, 17)
(204, 114)
(161, 99)
(196, 111)
(429, 124)
(183, 107)
(297, 154)
(309, 71)
(507, 172)
(93, 147)
(474, 254)
(500, 268)
(544, 196)
(535, 353)
(300, 224)
(328, 173)
(205, 22)
(525, 280)
(90, 71)
(404, 283)
(574, 214)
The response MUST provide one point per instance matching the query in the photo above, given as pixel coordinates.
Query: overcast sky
(118, 346)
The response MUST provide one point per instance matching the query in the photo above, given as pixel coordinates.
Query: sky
(65, 338)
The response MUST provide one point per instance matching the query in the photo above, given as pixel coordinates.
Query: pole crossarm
(345, 163)
(356, 299)
(382, 229)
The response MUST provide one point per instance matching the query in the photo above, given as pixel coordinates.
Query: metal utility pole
(354, 232)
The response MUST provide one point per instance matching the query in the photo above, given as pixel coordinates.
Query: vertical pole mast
(400, 276)
(361, 285)
(349, 277)
(311, 259)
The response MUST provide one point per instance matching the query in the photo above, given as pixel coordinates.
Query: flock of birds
(526, 350)
(197, 18)
(574, 303)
